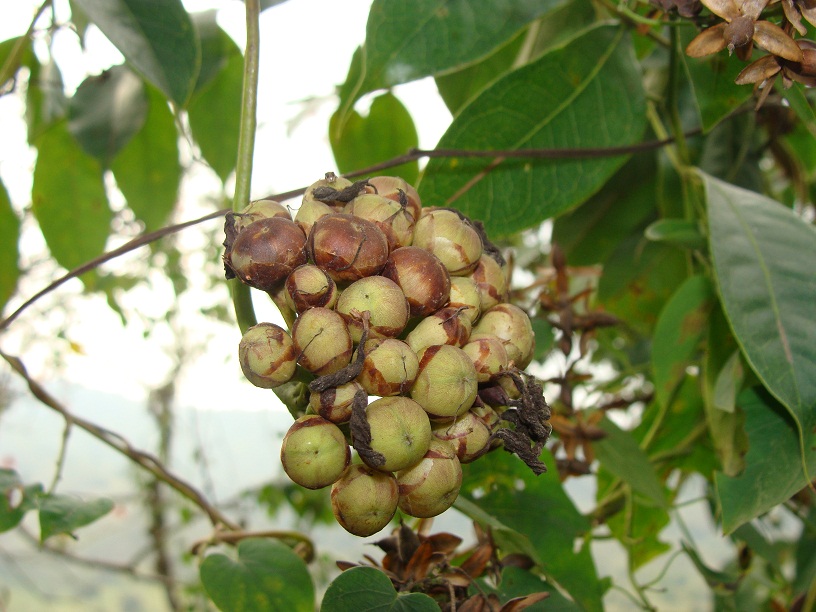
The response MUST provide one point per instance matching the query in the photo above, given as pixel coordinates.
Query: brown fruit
(266, 251)
(423, 279)
(347, 247)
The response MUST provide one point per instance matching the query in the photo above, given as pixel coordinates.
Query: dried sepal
(724, 9)
(757, 72)
(793, 16)
(707, 42)
(774, 40)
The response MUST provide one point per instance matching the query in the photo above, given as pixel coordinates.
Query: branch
(144, 460)
(412, 155)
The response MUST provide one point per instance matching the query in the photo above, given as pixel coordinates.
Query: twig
(14, 57)
(144, 460)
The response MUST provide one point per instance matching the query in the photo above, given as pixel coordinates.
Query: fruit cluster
(396, 301)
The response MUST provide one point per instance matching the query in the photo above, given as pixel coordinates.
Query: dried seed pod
(267, 355)
(491, 282)
(265, 252)
(389, 368)
(423, 279)
(379, 296)
(335, 403)
(488, 355)
(464, 294)
(451, 238)
(431, 486)
(512, 326)
(400, 432)
(364, 500)
(446, 384)
(322, 341)
(445, 326)
(314, 453)
(395, 221)
(309, 286)
(347, 247)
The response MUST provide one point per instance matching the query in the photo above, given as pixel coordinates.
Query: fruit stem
(241, 298)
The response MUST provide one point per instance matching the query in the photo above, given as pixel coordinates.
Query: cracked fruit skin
(432, 485)
(314, 452)
(266, 251)
(400, 431)
(364, 500)
(267, 355)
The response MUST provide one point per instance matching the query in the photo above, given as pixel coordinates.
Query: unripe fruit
(267, 355)
(314, 452)
(335, 403)
(467, 434)
(445, 326)
(430, 487)
(452, 239)
(465, 294)
(347, 247)
(446, 385)
(322, 341)
(488, 355)
(391, 186)
(266, 251)
(491, 282)
(260, 209)
(309, 286)
(309, 213)
(364, 500)
(389, 368)
(395, 222)
(512, 326)
(400, 431)
(423, 279)
(382, 298)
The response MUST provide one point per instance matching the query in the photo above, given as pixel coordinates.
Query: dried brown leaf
(476, 563)
(521, 603)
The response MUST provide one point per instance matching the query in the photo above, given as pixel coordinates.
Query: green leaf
(726, 422)
(15, 499)
(216, 47)
(538, 508)
(773, 469)
(638, 279)
(801, 106)
(45, 99)
(637, 526)
(678, 332)
(147, 170)
(763, 261)
(410, 40)
(458, 88)
(368, 589)
(585, 94)
(677, 232)
(508, 540)
(544, 338)
(215, 114)
(156, 37)
(69, 199)
(63, 514)
(712, 83)
(106, 111)
(591, 233)
(719, 581)
(518, 582)
(387, 131)
(9, 251)
(268, 576)
(621, 455)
